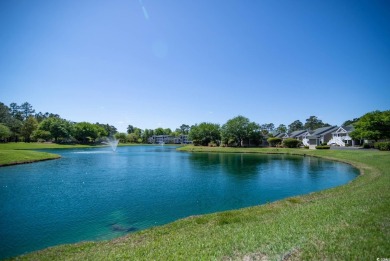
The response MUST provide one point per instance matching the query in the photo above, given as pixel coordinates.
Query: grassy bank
(350, 222)
(13, 157)
(13, 153)
(37, 146)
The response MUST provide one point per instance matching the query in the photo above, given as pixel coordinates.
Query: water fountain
(112, 142)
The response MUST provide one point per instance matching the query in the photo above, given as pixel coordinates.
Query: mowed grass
(21, 152)
(37, 146)
(12, 157)
(350, 222)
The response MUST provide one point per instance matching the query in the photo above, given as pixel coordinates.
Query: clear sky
(163, 63)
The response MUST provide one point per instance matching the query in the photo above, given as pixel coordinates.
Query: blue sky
(164, 63)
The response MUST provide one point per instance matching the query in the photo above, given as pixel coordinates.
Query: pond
(97, 194)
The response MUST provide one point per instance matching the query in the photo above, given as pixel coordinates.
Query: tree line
(240, 131)
(22, 123)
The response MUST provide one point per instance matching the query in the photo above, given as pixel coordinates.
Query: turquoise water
(96, 194)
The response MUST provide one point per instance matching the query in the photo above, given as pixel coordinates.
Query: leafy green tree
(138, 132)
(350, 122)
(373, 126)
(26, 110)
(204, 133)
(267, 128)
(121, 136)
(29, 126)
(15, 125)
(40, 116)
(295, 126)
(86, 132)
(133, 138)
(176, 133)
(146, 134)
(5, 115)
(313, 123)
(109, 129)
(41, 135)
(240, 129)
(281, 128)
(159, 131)
(254, 134)
(167, 131)
(5, 132)
(15, 111)
(135, 135)
(184, 129)
(59, 128)
(130, 129)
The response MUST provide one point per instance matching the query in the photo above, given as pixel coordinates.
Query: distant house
(182, 139)
(163, 139)
(160, 139)
(341, 137)
(321, 136)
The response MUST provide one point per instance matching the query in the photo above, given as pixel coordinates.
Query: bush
(385, 145)
(273, 142)
(366, 146)
(196, 142)
(212, 144)
(323, 147)
(291, 143)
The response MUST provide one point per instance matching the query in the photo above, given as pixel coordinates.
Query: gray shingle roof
(280, 135)
(348, 128)
(296, 133)
(322, 131)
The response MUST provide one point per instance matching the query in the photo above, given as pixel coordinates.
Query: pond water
(97, 194)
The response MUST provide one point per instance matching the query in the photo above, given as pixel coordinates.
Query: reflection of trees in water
(316, 166)
(233, 164)
(246, 165)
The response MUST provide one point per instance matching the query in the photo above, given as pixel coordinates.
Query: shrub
(306, 147)
(212, 144)
(273, 142)
(291, 143)
(366, 146)
(385, 145)
(323, 147)
(196, 142)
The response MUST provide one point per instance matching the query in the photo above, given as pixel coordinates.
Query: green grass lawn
(17, 153)
(37, 145)
(350, 222)
(12, 157)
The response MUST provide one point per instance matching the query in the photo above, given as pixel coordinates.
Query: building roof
(348, 128)
(297, 133)
(280, 135)
(322, 131)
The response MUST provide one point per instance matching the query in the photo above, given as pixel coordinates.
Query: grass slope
(13, 157)
(19, 153)
(350, 222)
